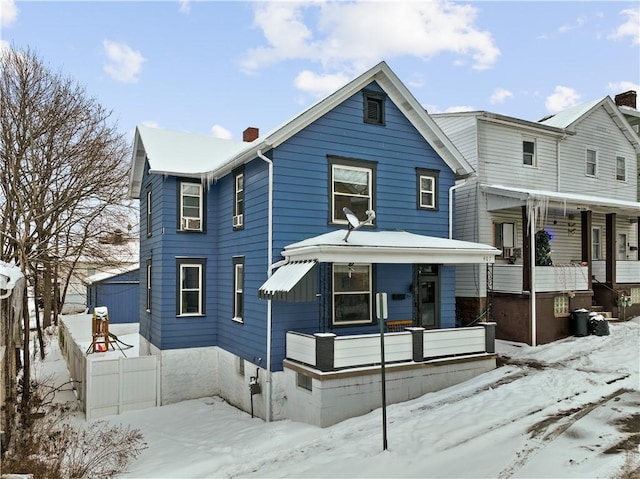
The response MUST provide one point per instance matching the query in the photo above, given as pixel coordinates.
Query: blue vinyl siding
(301, 210)
(120, 294)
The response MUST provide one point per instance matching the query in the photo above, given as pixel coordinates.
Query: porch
(627, 272)
(341, 375)
(508, 278)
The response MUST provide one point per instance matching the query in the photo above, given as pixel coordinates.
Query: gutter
(269, 271)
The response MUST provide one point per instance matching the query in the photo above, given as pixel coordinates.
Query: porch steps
(605, 314)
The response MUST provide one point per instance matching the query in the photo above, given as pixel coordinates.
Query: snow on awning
(398, 247)
(501, 197)
(291, 282)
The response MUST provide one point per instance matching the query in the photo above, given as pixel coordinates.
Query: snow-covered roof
(207, 154)
(111, 273)
(388, 247)
(569, 118)
(572, 200)
(566, 118)
(9, 276)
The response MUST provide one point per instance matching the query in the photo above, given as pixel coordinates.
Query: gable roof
(222, 161)
(570, 117)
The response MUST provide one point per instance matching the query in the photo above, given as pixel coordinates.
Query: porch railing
(626, 271)
(507, 278)
(328, 352)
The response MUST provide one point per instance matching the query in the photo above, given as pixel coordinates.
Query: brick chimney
(251, 134)
(628, 98)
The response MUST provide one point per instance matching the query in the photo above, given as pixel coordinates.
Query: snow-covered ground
(561, 410)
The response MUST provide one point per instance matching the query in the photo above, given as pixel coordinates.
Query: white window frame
(149, 210)
(338, 268)
(431, 191)
(190, 223)
(533, 155)
(149, 270)
(238, 289)
(238, 201)
(338, 217)
(621, 173)
(182, 289)
(506, 241)
(594, 163)
(596, 246)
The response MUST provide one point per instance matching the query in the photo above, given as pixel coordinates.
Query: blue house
(259, 285)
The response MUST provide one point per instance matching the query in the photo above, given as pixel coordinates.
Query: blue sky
(215, 68)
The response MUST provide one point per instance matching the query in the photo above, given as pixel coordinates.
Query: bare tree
(63, 175)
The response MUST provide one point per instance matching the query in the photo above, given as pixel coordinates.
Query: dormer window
(374, 107)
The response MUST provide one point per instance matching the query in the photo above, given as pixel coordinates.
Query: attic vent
(374, 107)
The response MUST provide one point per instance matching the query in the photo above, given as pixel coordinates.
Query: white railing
(362, 350)
(626, 271)
(507, 278)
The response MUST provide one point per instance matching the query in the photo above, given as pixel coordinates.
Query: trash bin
(579, 322)
(598, 325)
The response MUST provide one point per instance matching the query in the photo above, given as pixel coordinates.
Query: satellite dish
(354, 222)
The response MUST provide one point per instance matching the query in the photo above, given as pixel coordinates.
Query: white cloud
(580, 21)
(562, 98)
(221, 132)
(8, 12)
(500, 95)
(184, 6)
(352, 36)
(123, 63)
(319, 85)
(630, 28)
(623, 86)
(4, 46)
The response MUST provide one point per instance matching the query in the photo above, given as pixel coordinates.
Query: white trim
(198, 289)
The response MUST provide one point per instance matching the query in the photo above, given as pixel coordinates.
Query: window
(374, 107)
(621, 169)
(505, 238)
(190, 207)
(592, 163)
(351, 185)
(351, 294)
(148, 285)
(238, 201)
(561, 306)
(528, 152)
(149, 222)
(427, 188)
(190, 287)
(635, 295)
(304, 382)
(596, 244)
(238, 288)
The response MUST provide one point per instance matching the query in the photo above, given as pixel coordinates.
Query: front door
(426, 297)
(622, 247)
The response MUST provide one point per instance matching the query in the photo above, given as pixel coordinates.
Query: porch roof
(388, 247)
(291, 282)
(513, 196)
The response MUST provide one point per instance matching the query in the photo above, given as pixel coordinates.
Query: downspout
(269, 270)
(532, 247)
(451, 190)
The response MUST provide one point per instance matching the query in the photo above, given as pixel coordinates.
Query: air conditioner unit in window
(238, 221)
(191, 224)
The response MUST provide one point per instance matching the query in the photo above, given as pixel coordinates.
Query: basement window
(304, 382)
(560, 306)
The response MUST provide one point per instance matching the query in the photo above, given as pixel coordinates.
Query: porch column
(417, 341)
(489, 336)
(610, 223)
(526, 252)
(638, 238)
(587, 241)
(324, 351)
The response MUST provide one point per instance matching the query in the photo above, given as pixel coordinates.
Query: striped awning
(292, 282)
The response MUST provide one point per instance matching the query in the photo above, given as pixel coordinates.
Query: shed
(118, 290)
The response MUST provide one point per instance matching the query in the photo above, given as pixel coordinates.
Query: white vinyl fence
(106, 383)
